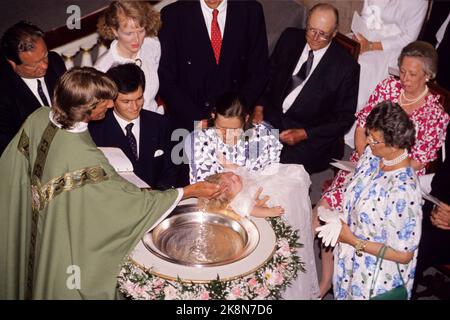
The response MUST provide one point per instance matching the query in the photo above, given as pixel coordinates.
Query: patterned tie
(216, 36)
(302, 74)
(132, 139)
(41, 94)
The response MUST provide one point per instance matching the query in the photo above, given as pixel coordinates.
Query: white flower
(170, 293)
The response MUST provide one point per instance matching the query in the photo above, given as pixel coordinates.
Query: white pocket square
(158, 153)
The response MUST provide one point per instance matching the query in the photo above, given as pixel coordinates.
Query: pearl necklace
(411, 101)
(395, 161)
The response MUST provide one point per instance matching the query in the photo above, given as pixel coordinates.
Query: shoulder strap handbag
(398, 293)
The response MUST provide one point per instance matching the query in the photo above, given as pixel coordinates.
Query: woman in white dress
(133, 26)
(255, 155)
(394, 23)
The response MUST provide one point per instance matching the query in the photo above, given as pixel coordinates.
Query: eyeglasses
(319, 33)
(373, 142)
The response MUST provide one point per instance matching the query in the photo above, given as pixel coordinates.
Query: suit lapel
(50, 81)
(316, 77)
(25, 93)
(231, 29)
(292, 60)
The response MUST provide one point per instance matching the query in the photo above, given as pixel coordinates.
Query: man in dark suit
(434, 247)
(312, 92)
(143, 136)
(205, 53)
(438, 34)
(28, 73)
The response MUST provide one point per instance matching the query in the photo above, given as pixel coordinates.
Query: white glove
(331, 230)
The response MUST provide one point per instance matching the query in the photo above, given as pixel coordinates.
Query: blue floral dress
(383, 207)
(257, 148)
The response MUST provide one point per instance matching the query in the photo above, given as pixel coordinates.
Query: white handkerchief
(158, 153)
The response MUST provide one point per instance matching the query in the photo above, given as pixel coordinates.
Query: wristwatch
(360, 247)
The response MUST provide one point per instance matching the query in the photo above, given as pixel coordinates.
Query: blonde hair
(77, 92)
(222, 200)
(139, 11)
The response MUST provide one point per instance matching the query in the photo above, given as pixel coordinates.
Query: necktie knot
(129, 127)
(215, 13)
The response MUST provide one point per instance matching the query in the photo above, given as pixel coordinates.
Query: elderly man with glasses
(312, 92)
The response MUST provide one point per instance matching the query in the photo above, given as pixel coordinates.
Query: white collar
(318, 54)
(78, 127)
(222, 7)
(33, 81)
(123, 123)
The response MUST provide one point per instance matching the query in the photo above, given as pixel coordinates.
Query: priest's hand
(203, 189)
(293, 136)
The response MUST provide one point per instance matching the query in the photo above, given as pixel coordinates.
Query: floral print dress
(385, 207)
(431, 126)
(256, 149)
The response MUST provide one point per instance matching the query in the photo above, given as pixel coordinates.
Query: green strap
(380, 257)
(38, 169)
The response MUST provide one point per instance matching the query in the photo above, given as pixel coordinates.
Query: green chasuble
(87, 218)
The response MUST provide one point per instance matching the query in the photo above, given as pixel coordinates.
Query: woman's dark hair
(231, 105)
(393, 122)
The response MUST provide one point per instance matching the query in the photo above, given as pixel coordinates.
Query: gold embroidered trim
(24, 145)
(68, 182)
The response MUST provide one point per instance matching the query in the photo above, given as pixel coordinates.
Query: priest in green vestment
(67, 219)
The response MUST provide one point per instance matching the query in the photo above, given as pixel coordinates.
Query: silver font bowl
(202, 239)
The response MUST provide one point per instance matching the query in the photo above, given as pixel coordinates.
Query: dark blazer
(434, 247)
(190, 79)
(324, 108)
(154, 135)
(17, 101)
(439, 13)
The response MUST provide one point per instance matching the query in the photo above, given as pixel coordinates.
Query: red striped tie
(216, 36)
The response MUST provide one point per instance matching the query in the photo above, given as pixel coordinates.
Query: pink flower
(236, 291)
(284, 249)
(252, 282)
(204, 295)
(139, 290)
(157, 283)
(262, 293)
(273, 277)
(170, 293)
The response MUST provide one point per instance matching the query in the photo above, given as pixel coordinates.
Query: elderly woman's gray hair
(393, 122)
(423, 51)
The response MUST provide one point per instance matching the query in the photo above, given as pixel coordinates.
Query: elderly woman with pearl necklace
(417, 65)
(381, 207)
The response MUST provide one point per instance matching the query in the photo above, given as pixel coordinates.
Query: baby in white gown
(285, 191)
